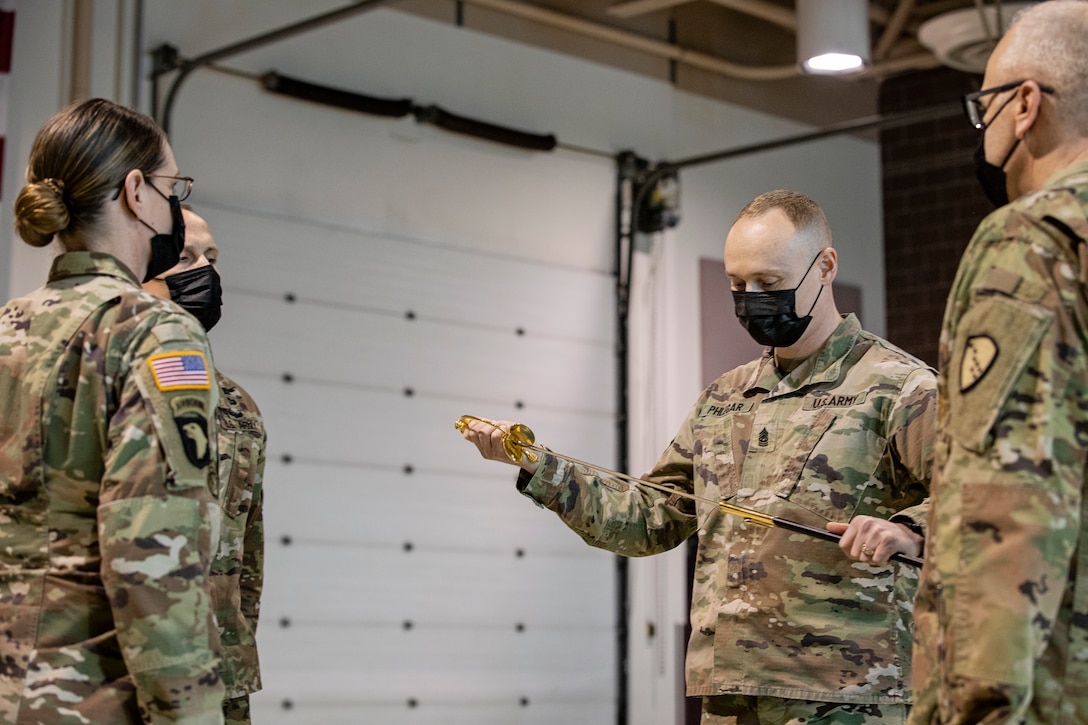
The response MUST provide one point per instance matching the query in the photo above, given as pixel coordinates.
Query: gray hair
(1050, 45)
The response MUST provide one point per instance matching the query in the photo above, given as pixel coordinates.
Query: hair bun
(41, 211)
(56, 185)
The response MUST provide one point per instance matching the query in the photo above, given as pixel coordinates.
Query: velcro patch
(191, 418)
(834, 400)
(978, 357)
(719, 410)
(180, 371)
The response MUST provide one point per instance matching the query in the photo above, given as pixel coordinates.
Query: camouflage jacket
(1002, 610)
(848, 432)
(108, 505)
(238, 568)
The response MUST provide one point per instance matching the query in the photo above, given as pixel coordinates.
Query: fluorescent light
(833, 63)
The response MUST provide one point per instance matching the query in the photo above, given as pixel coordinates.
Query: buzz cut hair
(805, 214)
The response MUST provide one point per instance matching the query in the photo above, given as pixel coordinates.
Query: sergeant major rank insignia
(978, 357)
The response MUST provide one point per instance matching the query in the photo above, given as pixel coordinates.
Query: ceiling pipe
(184, 67)
(668, 51)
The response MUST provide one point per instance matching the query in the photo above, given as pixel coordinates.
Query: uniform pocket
(718, 454)
(239, 452)
(994, 342)
(1005, 585)
(833, 466)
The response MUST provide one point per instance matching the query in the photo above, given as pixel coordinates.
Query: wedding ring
(866, 550)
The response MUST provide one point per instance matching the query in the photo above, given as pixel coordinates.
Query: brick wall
(932, 204)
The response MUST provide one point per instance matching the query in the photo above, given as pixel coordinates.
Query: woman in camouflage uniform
(107, 492)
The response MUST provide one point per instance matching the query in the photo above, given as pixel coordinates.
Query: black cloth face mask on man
(199, 292)
(771, 317)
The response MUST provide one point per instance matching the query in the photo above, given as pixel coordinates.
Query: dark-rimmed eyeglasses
(181, 187)
(976, 112)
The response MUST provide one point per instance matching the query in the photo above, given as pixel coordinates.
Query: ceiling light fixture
(963, 39)
(833, 36)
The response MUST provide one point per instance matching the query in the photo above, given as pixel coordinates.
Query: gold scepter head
(515, 439)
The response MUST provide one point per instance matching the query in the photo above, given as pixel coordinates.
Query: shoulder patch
(978, 357)
(182, 370)
(191, 417)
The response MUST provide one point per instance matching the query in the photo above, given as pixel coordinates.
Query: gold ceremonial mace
(519, 440)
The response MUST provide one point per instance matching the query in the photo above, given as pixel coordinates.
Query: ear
(134, 191)
(1029, 98)
(828, 265)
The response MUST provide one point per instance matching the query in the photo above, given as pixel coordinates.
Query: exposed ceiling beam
(631, 8)
(761, 9)
(893, 29)
(678, 53)
(661, 49)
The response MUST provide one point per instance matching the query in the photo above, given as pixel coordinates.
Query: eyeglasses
(181, 188)
(976, 112)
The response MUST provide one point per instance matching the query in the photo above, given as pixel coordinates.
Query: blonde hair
(807, 217)
(79, 158)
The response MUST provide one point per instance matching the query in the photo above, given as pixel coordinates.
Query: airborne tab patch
(180, 371)
(978, 357)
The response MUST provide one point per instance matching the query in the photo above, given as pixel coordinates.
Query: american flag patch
(180, 371)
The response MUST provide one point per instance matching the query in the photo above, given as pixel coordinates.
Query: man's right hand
(487, 436)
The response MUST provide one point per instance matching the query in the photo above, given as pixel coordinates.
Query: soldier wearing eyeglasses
(1001, 619)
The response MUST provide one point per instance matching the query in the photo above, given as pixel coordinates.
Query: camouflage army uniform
(108, 508)
(1002, 611)
(777, 614)
(237, 574)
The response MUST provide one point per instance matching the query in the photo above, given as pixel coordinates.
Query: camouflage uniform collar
(81, 264)
(1062, 177)
(822, 366)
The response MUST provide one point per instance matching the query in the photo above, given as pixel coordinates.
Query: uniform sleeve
(611, 514)
(913, 439)
(252, 575)
(1010, 486)
(157, 520)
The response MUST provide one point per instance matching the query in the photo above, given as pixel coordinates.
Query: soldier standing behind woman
(108, 500)
(237, 574)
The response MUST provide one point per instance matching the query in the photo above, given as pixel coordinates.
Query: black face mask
(992, 177)
(166, 248)
(771, 317)
(198, 292)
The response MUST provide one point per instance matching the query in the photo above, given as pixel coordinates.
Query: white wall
(296, 192)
